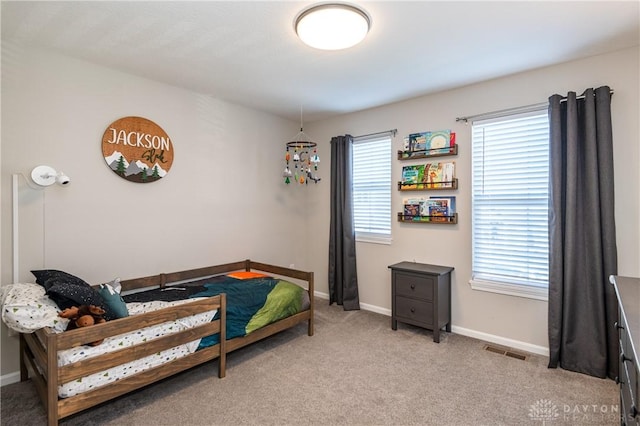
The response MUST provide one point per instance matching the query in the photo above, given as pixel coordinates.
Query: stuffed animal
(84, 316)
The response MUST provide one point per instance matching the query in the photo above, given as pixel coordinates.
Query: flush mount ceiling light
(332, 26)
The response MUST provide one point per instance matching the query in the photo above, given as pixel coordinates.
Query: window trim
(374, 237)
(519, 290)
(370, 237)
(529, 291)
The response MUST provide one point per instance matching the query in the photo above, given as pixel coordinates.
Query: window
(510, 196)
(372, 188)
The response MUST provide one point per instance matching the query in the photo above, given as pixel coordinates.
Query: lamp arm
(15, 225)
(15, 235)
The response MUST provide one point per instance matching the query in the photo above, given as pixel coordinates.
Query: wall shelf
(428, 186)
(437, 152)
(430, 175)
(441, 220)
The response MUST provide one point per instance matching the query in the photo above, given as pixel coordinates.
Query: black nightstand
(421, 296)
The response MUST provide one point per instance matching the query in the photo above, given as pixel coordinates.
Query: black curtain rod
(392, 131)
(564, 98)
(516, 110)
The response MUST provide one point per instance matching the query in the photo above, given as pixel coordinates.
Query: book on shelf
(450, 203)
(411, 208)
(412, 212)
(418, 141)
(438, 212)
(424, 210)
(441, 209)
(414, 142)
(412, 175)
(428, 143)
(439, 175)
(433, 209)
(438, 141)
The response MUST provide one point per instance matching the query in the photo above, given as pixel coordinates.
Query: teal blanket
(253, 303)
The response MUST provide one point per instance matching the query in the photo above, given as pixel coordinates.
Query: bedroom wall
(223, 199)
(514, 321)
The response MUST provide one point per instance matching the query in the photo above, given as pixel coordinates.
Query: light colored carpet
(355, 371)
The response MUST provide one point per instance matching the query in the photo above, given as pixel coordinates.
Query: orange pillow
(243, 275)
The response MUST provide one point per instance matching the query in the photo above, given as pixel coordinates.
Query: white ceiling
(246, 52)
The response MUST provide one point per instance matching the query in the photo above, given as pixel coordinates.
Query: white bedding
(129, 339)
(25, 309)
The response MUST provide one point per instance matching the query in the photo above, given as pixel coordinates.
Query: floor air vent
(506, 352)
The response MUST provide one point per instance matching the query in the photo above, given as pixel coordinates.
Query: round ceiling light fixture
(332, 26)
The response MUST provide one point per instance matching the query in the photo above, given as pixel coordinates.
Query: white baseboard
(10, 378)
(376, 309)
(503, 341)
(321, 295)
(491, 338)
(363, 306)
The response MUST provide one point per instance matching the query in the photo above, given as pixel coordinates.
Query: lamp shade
(47, 176)
(332, 26)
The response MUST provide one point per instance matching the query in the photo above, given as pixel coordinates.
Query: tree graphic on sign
(120, 168)
(155, 173)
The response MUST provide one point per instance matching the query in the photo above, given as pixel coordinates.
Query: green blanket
(253, 303)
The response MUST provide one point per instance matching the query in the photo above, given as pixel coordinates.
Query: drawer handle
(413, 286)
(618, 326)
(413, 310)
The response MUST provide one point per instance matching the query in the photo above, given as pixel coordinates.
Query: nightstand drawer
(411, 285)
(421, 296)
(419, 311)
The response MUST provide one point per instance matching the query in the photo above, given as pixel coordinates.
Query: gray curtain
(343, 279)
(582, 303)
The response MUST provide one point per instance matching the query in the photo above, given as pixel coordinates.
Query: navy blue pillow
(67, 290)
(67, 295)
(47, 277)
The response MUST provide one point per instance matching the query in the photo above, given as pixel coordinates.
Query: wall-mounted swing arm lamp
(47, 176)
(42, 176)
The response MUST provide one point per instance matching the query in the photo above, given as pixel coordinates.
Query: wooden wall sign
(137, 149)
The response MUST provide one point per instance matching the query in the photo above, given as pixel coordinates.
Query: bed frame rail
(39, 353)
(164, 279)
(293, 273)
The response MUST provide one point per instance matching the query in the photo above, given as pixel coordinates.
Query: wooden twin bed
(39, 351)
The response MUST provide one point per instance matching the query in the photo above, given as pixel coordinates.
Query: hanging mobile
(302, 155)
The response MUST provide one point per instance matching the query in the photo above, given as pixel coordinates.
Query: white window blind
(372, 188)
(510, 193)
